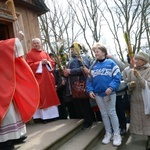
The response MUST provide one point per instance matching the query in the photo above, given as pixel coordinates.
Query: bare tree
(146, 19)
(127, 15)
(88, 19)
(57, 27)
(84, 20)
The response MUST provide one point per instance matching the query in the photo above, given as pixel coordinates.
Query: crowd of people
(36, 89)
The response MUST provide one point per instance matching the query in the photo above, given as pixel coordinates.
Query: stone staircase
(67, 135)
(100, 146)
(85, 139)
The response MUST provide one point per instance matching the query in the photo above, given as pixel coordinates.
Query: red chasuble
(46, 80)
(17, 83)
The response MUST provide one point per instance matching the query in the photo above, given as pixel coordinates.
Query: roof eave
(37, 9)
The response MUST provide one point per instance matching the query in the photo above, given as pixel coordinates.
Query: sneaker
(107, 138)
(117, 140)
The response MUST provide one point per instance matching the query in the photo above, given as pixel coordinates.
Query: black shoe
(11, 147)
(45, 121)
(20, 140)
(8, 145)
(86, 126)
(123, 131)
(148, 144)
(128, 119)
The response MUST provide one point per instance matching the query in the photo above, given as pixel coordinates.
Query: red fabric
(95, 108)
(7, 76)
(46, 80)
(17, 82)
(27, 94)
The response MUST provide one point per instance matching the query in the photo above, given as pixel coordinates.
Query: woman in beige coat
(139, 122)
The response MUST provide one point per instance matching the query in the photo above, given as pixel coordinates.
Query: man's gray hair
(36, 39)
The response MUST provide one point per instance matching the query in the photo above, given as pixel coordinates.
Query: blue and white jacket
(104, 74)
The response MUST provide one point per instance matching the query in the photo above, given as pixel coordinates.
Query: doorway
(6, 30)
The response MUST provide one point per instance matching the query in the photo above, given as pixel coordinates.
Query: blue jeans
(107, 106)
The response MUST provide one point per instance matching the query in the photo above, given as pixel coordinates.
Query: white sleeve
(39, 69)
(18, 48)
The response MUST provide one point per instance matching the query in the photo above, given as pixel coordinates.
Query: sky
(107, 38)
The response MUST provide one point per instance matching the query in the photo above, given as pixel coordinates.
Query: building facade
(27, 12)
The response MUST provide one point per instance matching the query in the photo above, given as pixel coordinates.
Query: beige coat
(139, 122)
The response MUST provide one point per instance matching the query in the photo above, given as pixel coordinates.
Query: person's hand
(107, 98)
(136, 73)
(66, 72)
(86, 70)
(108, 91)
(92, 95)
(56, 87)
(63, 82)
(132, 84)
(20, 35)
(44, 62)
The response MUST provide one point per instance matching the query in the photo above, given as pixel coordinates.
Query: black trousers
(71, 110)
(63, 113)
(83, 110)
(120, 109)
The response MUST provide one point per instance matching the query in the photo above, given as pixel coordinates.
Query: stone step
(50, 136)
(85, 139)
(100, 146)
(67, 135)
(135, 142)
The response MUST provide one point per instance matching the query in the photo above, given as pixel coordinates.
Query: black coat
(76, 72)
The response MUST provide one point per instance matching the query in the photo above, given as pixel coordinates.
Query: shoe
(117, 140)
(128, 119)
(148, 144)
(107, 138)
(44, 121)
(123, 132)
(11, 147)
(20, 140)
(86, 126)
(8, 145)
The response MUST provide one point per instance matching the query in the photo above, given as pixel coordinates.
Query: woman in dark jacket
(78, 108)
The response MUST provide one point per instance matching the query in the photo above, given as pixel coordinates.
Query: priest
(43, 66)
(19, 93)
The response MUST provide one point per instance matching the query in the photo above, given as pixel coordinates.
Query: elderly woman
(139, 122)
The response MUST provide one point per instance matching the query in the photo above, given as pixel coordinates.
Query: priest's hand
(20, 35)
(44, 62)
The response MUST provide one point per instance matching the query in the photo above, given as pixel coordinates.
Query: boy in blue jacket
(102, 84)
